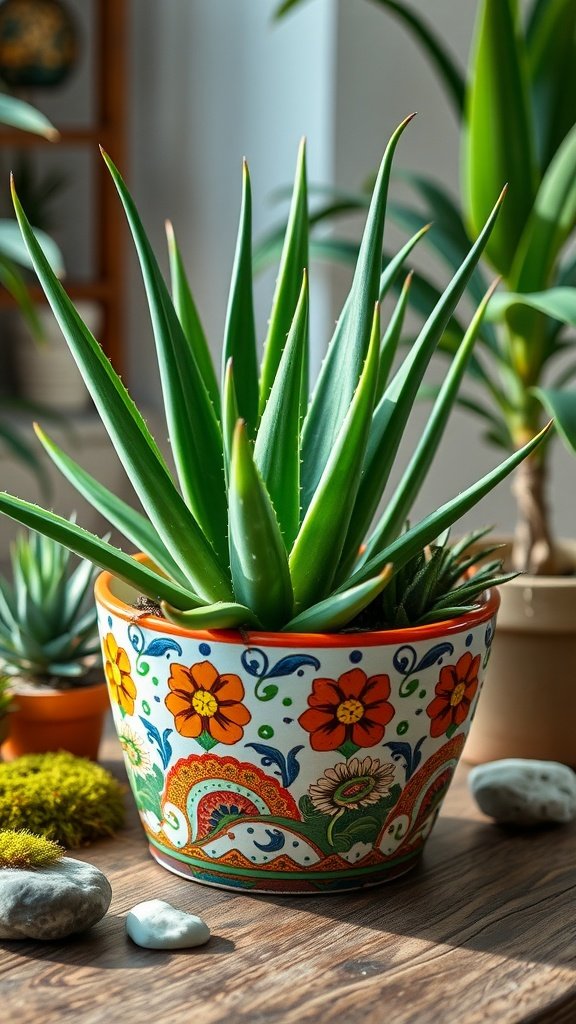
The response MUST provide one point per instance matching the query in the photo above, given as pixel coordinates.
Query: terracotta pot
(57, 720)
(284, 762)
(528, 706)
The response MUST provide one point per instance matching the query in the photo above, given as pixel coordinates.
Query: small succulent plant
(268, 524)
(48, 624)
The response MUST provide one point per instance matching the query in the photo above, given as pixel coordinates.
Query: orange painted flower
(353, 708)
(117, 669)
(202, 701)
(454, 694)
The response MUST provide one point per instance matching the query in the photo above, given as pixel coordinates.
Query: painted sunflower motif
(134, 750)
(204, 702)
(455, 691)
(354, 708)
(117, 669)
(352, 784)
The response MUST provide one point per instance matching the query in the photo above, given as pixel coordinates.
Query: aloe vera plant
(517, 110)
(268, 523)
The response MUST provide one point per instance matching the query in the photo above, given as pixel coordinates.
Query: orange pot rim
(374, 638)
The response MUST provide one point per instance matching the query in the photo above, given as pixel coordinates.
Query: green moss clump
(61, 797)
(22, 849)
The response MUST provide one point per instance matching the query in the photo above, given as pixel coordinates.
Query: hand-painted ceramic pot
(289, 762)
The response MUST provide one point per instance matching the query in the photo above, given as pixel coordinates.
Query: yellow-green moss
(22, 849)
(59, 796)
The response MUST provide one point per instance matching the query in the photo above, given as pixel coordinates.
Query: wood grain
(484, 932)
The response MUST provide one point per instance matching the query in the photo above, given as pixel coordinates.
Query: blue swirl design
(277, 841)
(411, 756)
(157, 648)
(289, 768)
(256, 663)
(406, 662)
(161, 741)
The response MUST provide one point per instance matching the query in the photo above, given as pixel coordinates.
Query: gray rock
(52, 902)
(520, 791)
(158, 925)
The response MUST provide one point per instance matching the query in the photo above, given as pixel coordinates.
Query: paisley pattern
(287, 769)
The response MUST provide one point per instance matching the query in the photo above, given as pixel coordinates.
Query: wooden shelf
(110, 27)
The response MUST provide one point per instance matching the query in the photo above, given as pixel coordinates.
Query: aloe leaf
(188, 316)
(240, 331)
(391, 339)
(498, 123)
(417, 537)
(398, 508)
(394, 408)
(14, 284)
(277, 448)
(342, 366)
(550, 223)
(562, 406)
(559, 303)
(338, 610)
(195, 436)
(12, 246)
(135, 527)
(222, 615)
(314, 556)
(551, 51)
(293, 263)
(17, 113)
(98, 551)
(258, 558)
(230, 417)
(133, 442)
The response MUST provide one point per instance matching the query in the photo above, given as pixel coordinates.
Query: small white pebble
(521, 791)
(155, 924)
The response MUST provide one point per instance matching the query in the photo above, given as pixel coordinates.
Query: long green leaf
(223, 615)
(88, 545)
(12, 246)
(338, 610)
(293, 263)
(277, 448)
(551, 49)
(195, 436)
(559, 303)
(394, 408)
(134, 444)
(562, 406)
(132, 524)
(498, 138)
(342, 366)
(190, 320)
(258, 556)
(240, 331)
(391, 339)
(401, 550)
(314, 556)
(17, 113)
(230, 417)
(398, 508)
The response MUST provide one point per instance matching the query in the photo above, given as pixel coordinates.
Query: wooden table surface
(483, 931)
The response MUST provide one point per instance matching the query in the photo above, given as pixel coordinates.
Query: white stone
(519, 791)
(52, 902)
(158, 925)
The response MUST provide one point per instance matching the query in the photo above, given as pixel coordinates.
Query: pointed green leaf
(314, 556)
(132, 440)
(258, 557)
(293, 263)
(398, 508)
(12, 246)
(410, 543)
(559, 303)
(230, 417)
(336, 611)
(551, 51)
(188, 316)
(342, 366)
(277, 449)
(98, 551)
(498, 138)
(223, 615)
(16, 113)
(240, 331)
(391, 339)
(195, 436)
(134, 526)
(562, 406)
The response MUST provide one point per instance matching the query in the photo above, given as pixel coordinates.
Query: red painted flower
(203, 701)
(454, 694)
(353, 708)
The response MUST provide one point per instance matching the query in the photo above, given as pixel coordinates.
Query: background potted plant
(49, 651)
(277, 736)
(517, 108)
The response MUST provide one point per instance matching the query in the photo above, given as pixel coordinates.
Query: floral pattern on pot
(301, 764)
